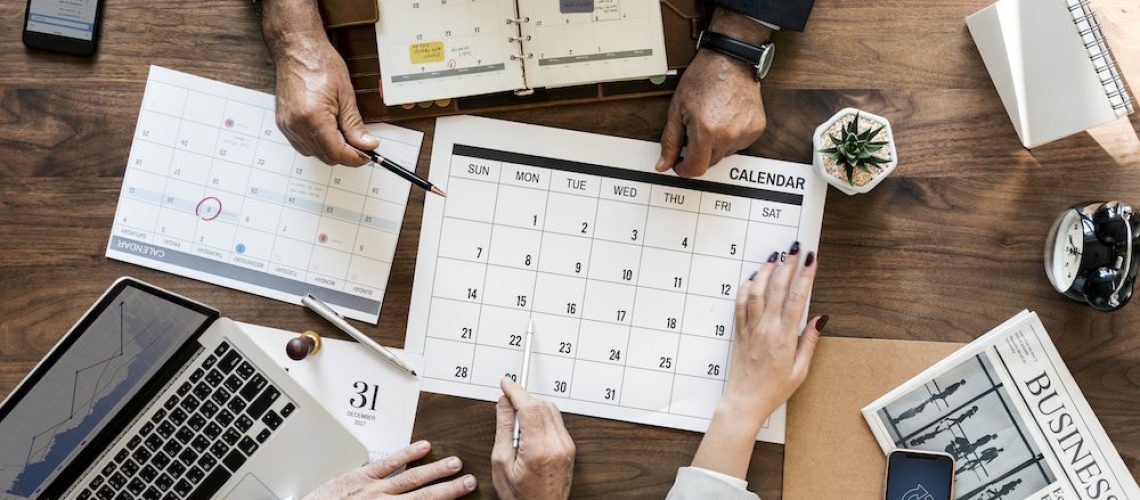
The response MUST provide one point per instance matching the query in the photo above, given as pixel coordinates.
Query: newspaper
(1013, 417)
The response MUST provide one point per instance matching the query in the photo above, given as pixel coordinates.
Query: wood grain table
(946, 248)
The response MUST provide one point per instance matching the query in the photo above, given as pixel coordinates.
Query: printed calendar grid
(237, 202)
(332, 214)
(680, 331)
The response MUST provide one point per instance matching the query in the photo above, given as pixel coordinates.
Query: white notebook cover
(1041, 68)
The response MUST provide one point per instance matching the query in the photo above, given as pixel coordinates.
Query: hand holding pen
(408, 175)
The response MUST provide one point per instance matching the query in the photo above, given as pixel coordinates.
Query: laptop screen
(112, 353)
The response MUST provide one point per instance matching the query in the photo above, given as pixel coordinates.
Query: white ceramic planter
(841, 183)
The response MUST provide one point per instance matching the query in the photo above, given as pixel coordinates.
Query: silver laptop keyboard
(201, 435)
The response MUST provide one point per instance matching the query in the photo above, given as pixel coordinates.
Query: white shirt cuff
(771, 26)
(694, 483)
(736, 482)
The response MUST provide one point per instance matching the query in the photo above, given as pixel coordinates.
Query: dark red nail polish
(821, 322)
(773, 257)
(750, 278)
(810, 259)
(795, 249)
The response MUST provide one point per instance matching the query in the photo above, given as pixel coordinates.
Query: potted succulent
(855, 150)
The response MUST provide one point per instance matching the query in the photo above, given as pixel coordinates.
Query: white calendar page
(213, 191)
(438, 49)
(629, 275)
(570, 42)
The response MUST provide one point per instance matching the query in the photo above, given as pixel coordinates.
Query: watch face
(766, 61)
(1063, 250)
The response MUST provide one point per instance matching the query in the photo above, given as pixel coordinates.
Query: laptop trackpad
(251, 488)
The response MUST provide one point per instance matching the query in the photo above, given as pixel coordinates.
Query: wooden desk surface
(945, 249)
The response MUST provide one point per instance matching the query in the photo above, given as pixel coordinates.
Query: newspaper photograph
(1010, 413)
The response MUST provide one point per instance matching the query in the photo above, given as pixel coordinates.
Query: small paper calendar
(439, 49)
(629, 275)
(213, 191)
(373, 400)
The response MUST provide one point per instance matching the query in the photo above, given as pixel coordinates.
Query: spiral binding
(1082, 13)
(529, 55)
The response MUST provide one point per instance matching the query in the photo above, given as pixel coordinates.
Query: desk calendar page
(568, 42)
(375, 401)
(435, 49)
(629, 275)
(213, 191)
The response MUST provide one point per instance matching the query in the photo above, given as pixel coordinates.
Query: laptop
(151, 395)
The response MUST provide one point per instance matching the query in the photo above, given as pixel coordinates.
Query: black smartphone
(67, 26)
(919, 475)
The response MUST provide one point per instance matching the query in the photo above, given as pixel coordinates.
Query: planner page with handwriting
(438, 49)
(629, 275)
(213, 191)
(570, 42)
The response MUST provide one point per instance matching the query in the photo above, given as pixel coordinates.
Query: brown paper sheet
(830, 452)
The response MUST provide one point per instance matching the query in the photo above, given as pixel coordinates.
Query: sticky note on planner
(426, 52)
(575, 6)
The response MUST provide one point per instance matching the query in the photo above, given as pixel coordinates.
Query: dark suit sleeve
(787, 14)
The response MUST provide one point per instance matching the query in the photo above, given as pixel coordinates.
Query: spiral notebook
(1051, 65)
(439, 49)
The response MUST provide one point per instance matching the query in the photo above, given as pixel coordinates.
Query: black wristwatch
(760, 58)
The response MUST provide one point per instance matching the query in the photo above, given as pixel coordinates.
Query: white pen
(525, 372)
(326, 312)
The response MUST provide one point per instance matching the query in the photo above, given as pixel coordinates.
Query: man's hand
(716, 109)
(316, 105)
(372, 481)
(543, 466)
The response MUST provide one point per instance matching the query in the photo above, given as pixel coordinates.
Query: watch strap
(758, 57)
(732, 47)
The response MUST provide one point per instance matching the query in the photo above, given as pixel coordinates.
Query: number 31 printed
(362, 397)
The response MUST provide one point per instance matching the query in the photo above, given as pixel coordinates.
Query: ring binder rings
(1101, 55)
(519, 39)
(1051, 65)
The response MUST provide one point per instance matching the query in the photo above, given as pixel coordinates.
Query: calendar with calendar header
(440, 49)
(629, 275)
(213, 191)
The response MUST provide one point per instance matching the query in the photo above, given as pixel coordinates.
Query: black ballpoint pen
(408, 175)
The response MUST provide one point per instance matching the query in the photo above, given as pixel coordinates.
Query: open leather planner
(438, 49)
(425, 58)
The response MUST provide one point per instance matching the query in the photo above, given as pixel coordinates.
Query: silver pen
(326, 312)
(523, 375)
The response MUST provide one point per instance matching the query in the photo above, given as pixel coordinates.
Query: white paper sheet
(374, 400)
(213, 191)
(630, 275)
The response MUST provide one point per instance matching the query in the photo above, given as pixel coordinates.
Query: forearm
(728, 443)
(291, 25)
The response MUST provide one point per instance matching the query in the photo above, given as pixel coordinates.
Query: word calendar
(213, 191)
(630, 275)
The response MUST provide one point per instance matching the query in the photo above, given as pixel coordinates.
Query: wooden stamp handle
(303, 345)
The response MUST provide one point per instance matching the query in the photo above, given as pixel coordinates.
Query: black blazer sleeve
(787, 14)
